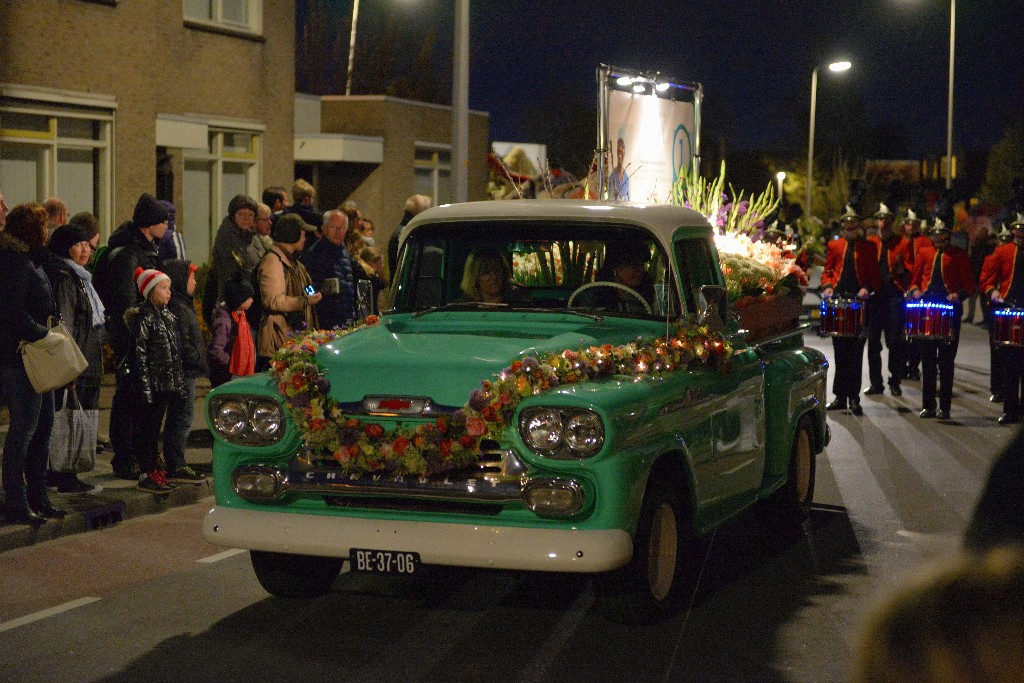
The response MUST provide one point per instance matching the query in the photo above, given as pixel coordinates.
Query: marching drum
(842, 318)
(932, 320)
(1008, 326)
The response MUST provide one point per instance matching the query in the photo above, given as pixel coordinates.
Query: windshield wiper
(462, 306)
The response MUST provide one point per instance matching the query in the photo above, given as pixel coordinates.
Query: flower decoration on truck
(452, 441)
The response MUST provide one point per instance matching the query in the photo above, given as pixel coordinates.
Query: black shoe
(1009, 418)
(943, 414)
(46, 509)
(874, 390)
(996, 397)
(927, 413)
(127, 473)
(838, 404)
(895, 390)
(914, 375)
(22, 515)
(855, 408)
(74, 486)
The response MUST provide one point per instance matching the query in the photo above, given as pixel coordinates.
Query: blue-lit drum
(842, 317)
(1008, 326)
(932, 320)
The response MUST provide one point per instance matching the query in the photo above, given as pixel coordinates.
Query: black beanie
(65, 237)
(236, 292)
(148, 212)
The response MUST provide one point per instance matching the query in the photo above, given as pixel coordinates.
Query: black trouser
(886, 316)
(937, 358)
(996, 360)
(122, 434)
(849, 352)
(149, 419)
(1013, 374)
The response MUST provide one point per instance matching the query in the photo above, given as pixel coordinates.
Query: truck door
(734, 399)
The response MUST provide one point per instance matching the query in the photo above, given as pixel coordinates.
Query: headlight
(247, 420)
(543, 430)
(267, 419)
(231, 418)
(562, 433)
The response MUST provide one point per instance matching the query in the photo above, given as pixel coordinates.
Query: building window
(229, 166)
(235, 15)
(50, 150)
(433, 168)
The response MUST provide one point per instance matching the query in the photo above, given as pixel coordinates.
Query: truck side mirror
(715, 310)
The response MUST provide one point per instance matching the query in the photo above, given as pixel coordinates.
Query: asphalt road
(148, 599)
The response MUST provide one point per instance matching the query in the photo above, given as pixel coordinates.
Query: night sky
(754, 59)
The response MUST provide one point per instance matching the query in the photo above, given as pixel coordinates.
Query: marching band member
(911, 225)
(942, 273)
(886, 313)
(851, 270)
(1002, 280)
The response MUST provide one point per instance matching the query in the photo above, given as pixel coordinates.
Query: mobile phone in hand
(309, 290)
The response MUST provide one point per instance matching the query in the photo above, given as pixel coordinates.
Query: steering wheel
(612, 285)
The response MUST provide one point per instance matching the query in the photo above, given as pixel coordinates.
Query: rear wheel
(798, 492)
(652, 586)
(295, 576)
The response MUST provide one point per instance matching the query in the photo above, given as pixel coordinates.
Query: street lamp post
(460, 103)
(949, 115)
(352, 47)
(836, 67)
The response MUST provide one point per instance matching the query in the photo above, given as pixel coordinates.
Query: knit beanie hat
(147, 279)
(171, 212)
(148, 212)
(236, 293)
(65, 237)
(289, 228)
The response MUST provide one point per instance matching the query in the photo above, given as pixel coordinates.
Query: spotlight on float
(662, 87)
(624, 81)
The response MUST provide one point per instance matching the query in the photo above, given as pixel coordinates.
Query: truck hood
(444, 356)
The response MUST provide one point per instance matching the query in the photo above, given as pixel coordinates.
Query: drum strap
(1016, 293)
(936, 285)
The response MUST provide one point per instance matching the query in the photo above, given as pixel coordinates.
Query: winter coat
(282, 280)
(154, 359)
(328, 260)
(193, 345)
(27, 300)
(114, 280)
(76, 311)
(234, 251)
(222, 340)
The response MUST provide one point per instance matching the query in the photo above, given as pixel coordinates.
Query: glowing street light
(835, 67)
(780, 176)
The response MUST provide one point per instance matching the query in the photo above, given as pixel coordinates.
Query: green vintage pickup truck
(557, 386)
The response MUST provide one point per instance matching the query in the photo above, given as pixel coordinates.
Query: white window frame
(435, 165)
(217, 157)
(252, 26)
(56, 105)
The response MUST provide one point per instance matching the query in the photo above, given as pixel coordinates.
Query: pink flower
(475, 426)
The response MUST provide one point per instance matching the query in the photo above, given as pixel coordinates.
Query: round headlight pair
(557, 432)
(237, 418)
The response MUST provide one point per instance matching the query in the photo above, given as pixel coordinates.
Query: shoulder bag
(53, 361)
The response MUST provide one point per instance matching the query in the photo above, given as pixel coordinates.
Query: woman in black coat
(25, 307)
(82, 312)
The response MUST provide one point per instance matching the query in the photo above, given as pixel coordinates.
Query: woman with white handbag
(25, 308)
(82, 312)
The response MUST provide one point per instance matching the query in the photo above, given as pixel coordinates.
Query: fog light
(553, 497)
(257, 483)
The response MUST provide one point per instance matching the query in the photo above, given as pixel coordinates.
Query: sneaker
(76, 487)
(156, 482)
(129, 473)
(185, 475)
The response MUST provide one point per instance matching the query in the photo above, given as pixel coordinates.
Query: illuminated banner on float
(649, 127)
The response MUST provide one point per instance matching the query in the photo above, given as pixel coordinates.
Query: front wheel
(295, 576)
(652, 586)
(795, 497)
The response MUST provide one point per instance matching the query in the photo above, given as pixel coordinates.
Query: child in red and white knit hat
(155, 372)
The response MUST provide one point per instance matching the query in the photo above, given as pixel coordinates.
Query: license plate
(384, 561)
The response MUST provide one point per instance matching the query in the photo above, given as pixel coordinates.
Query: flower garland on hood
(452, 441)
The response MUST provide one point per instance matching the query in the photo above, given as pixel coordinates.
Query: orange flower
(399, 446)
(374, 430)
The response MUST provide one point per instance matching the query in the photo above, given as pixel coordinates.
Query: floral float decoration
(452, 441)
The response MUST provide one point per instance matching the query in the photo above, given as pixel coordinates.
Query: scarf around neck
(85, 276)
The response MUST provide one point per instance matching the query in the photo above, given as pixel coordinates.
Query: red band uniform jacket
(901, 260)
(865, 260)
(956, 271)
(997, 270)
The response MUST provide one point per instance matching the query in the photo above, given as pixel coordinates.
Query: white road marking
(43, 614)
(222, 556)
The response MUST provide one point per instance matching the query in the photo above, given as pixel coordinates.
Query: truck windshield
(535, 265)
